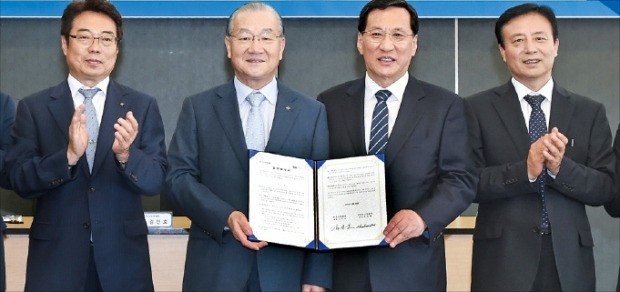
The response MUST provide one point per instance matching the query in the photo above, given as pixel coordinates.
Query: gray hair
(252, 6)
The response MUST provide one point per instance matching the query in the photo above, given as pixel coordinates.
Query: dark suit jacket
(613, 207)
(7, 116)
(427, 170)
(208, 179)
(506, 245)
(72, 205)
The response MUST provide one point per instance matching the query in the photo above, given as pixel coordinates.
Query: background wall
(174, 58)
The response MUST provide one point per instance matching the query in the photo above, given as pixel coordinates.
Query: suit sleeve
(456, 183)
(590, 182)
(31, 174)
(146, 168)
(499, 181)
(199, 203)
(8, 118)
(613, 207)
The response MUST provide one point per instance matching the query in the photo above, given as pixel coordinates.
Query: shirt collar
(75, 85)
(522, 90)
(397, 88)
(270, 91)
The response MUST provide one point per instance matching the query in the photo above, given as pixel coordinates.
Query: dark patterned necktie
(91, 124)
(379, 124)
(538, 128)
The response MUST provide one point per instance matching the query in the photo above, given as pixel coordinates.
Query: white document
(352, 202)
(338, 203)
(281, 200)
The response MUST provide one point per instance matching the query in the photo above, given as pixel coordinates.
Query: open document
(321, 205)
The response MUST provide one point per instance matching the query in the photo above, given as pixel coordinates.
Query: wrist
(71, 159)
(122, 157)
(122, 164)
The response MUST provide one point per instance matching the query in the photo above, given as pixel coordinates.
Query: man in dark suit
(613, 207)
(532, 232)
(208, 155)
(7, 114)
(86, 150)
(429, 177)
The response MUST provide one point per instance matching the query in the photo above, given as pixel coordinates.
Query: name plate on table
(13, 219)
(158, 219)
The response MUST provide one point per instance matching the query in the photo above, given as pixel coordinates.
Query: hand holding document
(321, 205)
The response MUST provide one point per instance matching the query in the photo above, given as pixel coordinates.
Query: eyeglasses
(377, 36)
(86, 38)
(245, 38)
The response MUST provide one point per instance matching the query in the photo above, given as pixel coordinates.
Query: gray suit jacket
(208, 179)
(506, 246)
(427, 170)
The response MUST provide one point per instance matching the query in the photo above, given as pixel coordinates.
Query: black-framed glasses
(378, 35)
(246, 38)
(86, 38)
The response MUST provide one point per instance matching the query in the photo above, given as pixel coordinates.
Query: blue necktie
(255, 130)
(538, 128)
(91, 124)
(379, 124)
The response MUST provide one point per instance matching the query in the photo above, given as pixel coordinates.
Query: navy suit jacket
(72, 205)
(506, 245)
(7, 116)
(208, 179)
(427, 171)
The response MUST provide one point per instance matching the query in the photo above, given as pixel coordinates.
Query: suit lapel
(562, 110)
(116, 106)
(284, 118)
(411, 110)
(226, 109)
(509, 111)
(62, 107)
(62, 110)
(353, 111)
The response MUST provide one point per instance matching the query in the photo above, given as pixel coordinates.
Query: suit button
(86, 225)
(90, 190)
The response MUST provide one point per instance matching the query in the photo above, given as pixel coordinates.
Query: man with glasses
(421, 129)
(86, 150)
(208, 156)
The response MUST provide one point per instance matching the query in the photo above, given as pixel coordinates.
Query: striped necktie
(379, 124)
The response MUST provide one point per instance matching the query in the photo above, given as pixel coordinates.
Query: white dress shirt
(393, 102)
(526, 109)
(98, 99)
(267, 107)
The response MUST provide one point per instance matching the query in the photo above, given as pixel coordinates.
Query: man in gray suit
(542, 154)
(208, 175)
